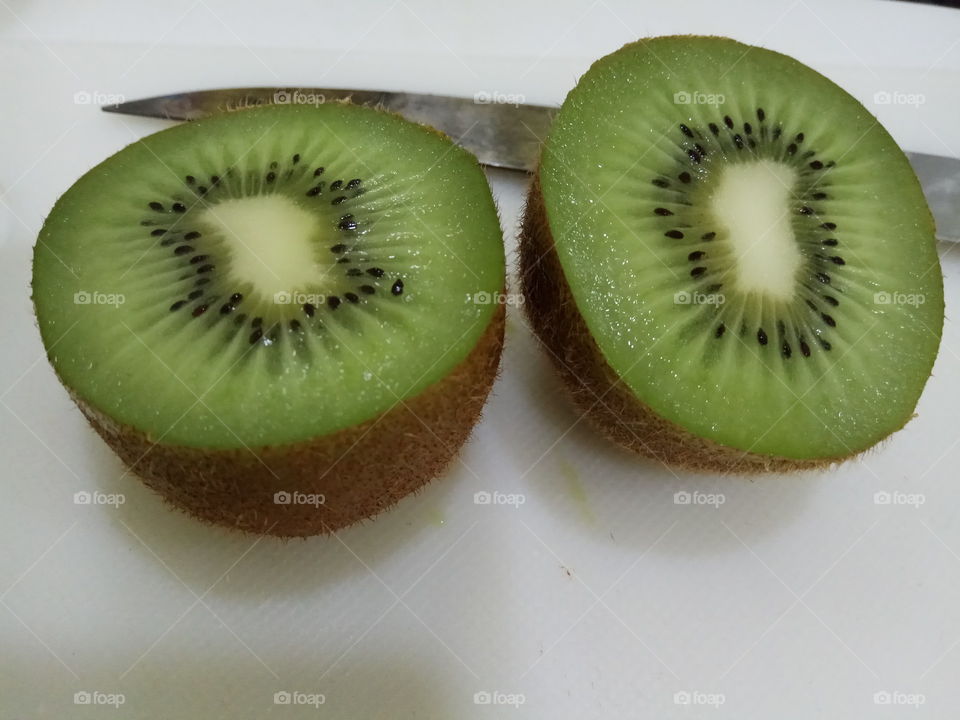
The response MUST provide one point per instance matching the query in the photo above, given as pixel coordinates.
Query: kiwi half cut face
(731, 261)
(277, 300)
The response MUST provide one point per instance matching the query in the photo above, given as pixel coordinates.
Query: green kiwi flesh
(730, 261)
(244, 304)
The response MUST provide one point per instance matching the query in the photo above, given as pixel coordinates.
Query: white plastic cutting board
(599, 596)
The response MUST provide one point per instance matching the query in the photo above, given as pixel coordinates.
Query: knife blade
(501, 134)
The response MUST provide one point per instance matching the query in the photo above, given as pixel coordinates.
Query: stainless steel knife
(500, 133)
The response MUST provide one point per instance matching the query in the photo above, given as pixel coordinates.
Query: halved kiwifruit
(268, 313)
(730, 260)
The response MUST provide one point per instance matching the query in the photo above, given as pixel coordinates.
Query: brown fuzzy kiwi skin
(360, 471)
(596, 389)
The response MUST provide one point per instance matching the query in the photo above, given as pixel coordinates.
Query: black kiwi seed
(227, 308)
(811, 305)
(353, 184)
(760, 114)
(824, 344)
(194, 294)
(255, 336)
(156, 206)
(368, 289)
(714, 129)
(727, 121)
(339, 199)
(798, 138)
(352, 297)
(806, 210)
(190, 179)
(684, 177)
(819, 196)
(685, 130)
(824, 278)
(204, 269)
(397, 287)
(694, 155)
(309, 309)
(837, 260)
(179, 207)
(214, 179)
(747, 128)
(198, 259)
(333, 301)
(661, 211)
(343, 260)
(192, 235)
(816, 165)
(354, 272)
(761, 337)
(271, 176)
(696, 255)
(675, 234)
(785, 349)
(829, 226)
(738, 141)
(721, 329)
(698, 271)
(708, 236)
(318, 172)
(202, 281)
(804, 348)
(202, 190)
(777, 132)
(314, 191)
(296, 158)
(182, 250)
(832, 300)
(339, 248)
(158, 232)
(336, 184)
(375, 272)
(295, 325)
(200, 310)
(236, 298)
(177, 305)
(274, 165)
(828, 320)
(791, 149)
(660, 182)
(830, 242)
(347, 223)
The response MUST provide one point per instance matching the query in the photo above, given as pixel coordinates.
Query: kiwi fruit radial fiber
(268, 313)
(730, 261)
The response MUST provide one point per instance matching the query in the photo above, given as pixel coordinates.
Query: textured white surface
(599, 596)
